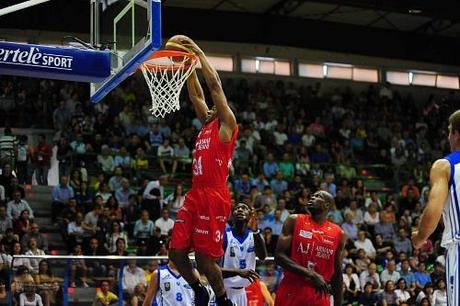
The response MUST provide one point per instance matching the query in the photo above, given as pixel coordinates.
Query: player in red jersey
(200, 223)
(310, 251)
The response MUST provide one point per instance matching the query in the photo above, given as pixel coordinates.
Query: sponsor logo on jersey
(328, 239)
(167, 286)
(304, 248)
(221, 218)
(317, 232)
(201, 231)
(323, 252)
(179, 221)
(203, 218)
(306, 234)
(202, 144)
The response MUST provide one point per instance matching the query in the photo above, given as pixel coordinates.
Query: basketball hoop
(165, 73)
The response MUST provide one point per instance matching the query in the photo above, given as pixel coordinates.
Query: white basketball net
(165, 79)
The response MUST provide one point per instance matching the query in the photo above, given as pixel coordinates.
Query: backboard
(129, 49)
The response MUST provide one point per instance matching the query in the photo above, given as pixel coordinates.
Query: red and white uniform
(254, 294)
(313, 246)
(200, 223)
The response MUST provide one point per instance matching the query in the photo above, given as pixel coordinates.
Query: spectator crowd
(123, 175)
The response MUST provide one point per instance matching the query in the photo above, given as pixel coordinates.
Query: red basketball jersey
(212, 157)
(254, 294)
(314, 246)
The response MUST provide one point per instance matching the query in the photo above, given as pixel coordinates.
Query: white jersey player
(241, 245)
(168, 288)
(444, 199)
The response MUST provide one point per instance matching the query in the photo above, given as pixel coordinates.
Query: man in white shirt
(365, 244)
(165, 224)
(132, 275)
(15, 206)
(370, 276)
(390, 273)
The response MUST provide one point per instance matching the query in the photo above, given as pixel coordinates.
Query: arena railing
(69, 275)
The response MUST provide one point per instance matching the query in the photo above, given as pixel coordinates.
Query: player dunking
(444, 200)
(310, 251)
(200, 223)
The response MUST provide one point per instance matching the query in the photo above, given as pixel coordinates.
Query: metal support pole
(94, 23)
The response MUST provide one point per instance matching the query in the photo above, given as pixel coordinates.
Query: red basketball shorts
(294, 294)
(200, 223)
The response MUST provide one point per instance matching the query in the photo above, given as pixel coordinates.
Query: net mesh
(165, 77)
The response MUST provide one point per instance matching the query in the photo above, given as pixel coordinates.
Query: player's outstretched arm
(439, 182)
(266, 294)
(151, 289)
(282, 252)
(196, 95)
(226, 116)
(337, 278)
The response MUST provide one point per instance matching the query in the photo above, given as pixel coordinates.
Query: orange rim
(169, 53)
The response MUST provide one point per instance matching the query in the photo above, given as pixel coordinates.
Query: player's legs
(181, 243)
(452, 275)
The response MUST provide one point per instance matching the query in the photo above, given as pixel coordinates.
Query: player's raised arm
(337, 278)
(151, 289)
(439, 182)
(212, 79)
(196, 95)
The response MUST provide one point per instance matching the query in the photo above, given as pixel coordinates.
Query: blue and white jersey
(239, 253)
(173, 289)
(451, 213)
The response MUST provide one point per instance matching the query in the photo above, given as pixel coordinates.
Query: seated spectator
(131, 214)
(270, 166)
(260, 183)
(112, 236)
(357, 213)
(425, 294)
(14, 186)
(75, 230)
(319, 155)
(42, 241)
(16, 206)
(421, 276)
(371, 217)
(122, 194)
(287, 167)
(96, 268)
(350, 229)
(410, 186)
(141, 162)
(182, 154)
(351, 282)
(282, 208)
(120, 247)
(90, 223)
(105, 160)
(23, 224)
(242, 186)
(29, 297)
(75, 179)
(271, 277)
(165, 154)
(390, 273)
(335, 214)
(115, 212)
(440, 294)
(104, 192)
(132, 275)
(123, 159)
(369, 296)
(17, 262)
(385, 228)
(373, 198)
(366, 244)
(270, 241)
(402, 294)
(104, 297)
(78, 266)
(175, 200)
(9, 239)
(402, 243)
(61, 195)
(165, 224)
(47, 284)
(138, 296)
(370, 276)
(5, 221)
(266, 198)
(143, 229)
(115, 182)
(34, 250)
(363, 261)
(275, 223)
(389, 296)
(278, 184)
(84, 197)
